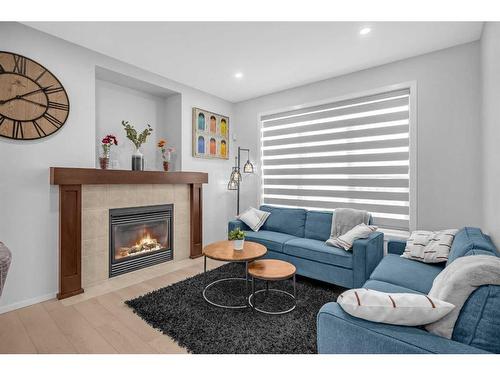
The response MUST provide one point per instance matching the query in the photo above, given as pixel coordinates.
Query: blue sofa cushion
(479, 321)
(285, 220)
(272, 240)
(339, 332)
(382, 286)
(318, 225)
(406, 273)
(318, 251)
(467, 240)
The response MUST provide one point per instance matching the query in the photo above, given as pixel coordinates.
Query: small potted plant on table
(238, 238)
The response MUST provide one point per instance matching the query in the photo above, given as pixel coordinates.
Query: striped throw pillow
(429, 247)
(405, 309)
(254, 218)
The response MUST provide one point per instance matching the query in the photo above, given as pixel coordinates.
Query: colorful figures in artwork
(211, 135)
(201, 122)
(223, 127)
(223, 148)
(201, 145)
(213, 146)
(213, 125)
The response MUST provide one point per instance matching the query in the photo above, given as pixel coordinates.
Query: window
(352, 153)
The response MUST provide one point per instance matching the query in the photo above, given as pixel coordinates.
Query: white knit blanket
(345, 219)
(457, 282)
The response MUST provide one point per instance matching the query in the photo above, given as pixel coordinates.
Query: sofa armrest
(367, 253)
(396, 246)
(233, 224)
(341, 333)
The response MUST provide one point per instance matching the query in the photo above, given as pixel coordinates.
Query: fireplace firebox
(139, 237)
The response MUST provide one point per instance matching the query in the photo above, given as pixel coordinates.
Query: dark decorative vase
(166, 166)
(137, 161)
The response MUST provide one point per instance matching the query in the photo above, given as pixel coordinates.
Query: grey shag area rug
(180, 311)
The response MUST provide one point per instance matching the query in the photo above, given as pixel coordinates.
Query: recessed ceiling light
(238, 75)
(365, 30)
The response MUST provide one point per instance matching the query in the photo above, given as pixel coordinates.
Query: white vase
(167, 156)
(238, 244)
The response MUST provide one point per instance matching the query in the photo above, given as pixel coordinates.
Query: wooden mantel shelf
(94, 176)
(70, 181)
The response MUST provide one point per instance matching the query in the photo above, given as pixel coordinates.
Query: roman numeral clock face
(33, 103)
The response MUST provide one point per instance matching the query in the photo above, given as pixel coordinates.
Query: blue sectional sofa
(298, 236)
(477, 329)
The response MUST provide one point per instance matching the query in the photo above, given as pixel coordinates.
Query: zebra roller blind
(353, 153)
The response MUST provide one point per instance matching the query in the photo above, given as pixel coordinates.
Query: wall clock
(33, 103)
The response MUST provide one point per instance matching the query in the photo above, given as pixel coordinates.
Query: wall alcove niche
(120, 97)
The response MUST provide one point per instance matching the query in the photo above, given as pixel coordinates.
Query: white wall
(490, 79)
(449, 156)
(172, 132)
(115, 103)
(448, 126)
(29, 205)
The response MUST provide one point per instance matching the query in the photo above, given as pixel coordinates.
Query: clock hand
(31, 101)
(21, 96)
(7, 100)
(32, 92)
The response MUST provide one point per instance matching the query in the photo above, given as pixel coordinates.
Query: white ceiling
(272, 56)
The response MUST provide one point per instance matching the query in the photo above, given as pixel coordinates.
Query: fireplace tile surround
(96, 202)
(87, 194)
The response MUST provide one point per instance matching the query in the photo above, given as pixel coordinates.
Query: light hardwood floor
(99, 324)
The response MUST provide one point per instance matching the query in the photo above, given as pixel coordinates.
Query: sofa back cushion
(318, 225)
(478, 324)
(285, 220)
(467, 241)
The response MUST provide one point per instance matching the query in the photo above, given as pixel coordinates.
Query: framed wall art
(210, 135)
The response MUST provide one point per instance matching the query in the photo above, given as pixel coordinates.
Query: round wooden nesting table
(271, 270)
(224, 251)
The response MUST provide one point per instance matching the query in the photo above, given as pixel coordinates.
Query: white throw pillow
(346, 240)
(405, 309)
(429, 247)
(254, 218)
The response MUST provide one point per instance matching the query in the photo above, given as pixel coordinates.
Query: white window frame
(413, 171)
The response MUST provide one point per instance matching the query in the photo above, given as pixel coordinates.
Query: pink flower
(109, 140)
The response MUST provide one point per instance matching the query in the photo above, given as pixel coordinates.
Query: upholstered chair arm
(367, 253)
(233, 224)
(396, 246)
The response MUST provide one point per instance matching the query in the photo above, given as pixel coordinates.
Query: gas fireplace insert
(139, 237)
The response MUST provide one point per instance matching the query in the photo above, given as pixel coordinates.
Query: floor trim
(27, 302)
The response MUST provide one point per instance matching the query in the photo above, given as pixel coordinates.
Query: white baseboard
(27, 302)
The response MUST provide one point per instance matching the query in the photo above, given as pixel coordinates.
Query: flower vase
(166, 160)
(137, 161)
(104, 162)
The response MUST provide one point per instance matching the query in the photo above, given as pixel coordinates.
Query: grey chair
(5, 259)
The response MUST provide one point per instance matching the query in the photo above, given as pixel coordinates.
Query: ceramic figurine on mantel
(166, 154)
(138, 140)
(106, 143)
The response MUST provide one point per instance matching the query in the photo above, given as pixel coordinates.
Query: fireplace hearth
(139, 237)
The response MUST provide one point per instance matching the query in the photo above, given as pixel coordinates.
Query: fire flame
(144, 244)
(145, 240)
